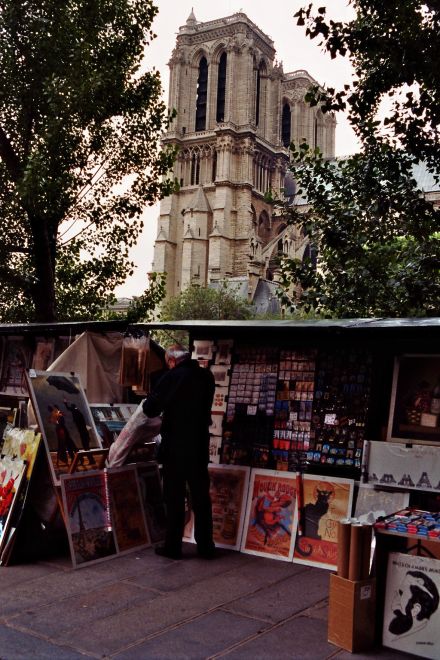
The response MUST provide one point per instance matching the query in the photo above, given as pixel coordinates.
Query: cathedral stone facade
(237, 112)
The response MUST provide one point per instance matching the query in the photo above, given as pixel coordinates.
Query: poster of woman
(411, 612)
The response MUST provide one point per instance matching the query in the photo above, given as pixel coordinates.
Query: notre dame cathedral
(237, 112)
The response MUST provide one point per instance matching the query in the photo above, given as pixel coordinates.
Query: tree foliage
(377, 236)
(393, 47)
(79, 153)
(205, 303)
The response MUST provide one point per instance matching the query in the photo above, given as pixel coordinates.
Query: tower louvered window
(221, 88)
(202, 95)
(257, 98)
(285, 125)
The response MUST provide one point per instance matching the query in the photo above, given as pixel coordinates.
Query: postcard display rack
(277, 407)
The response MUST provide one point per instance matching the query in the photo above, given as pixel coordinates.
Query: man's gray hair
(177, 352)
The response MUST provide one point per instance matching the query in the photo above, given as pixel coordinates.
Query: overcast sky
(293, 49)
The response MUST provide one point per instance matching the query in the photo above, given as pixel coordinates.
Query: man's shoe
(207, 553)
(163, 551)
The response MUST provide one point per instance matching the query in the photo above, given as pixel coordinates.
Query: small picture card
(220, 399)
(224, 350)
(221, 374)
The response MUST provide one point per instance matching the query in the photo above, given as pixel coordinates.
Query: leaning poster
(411, 620)
(270, 523)
(64, 419)
(325, 501)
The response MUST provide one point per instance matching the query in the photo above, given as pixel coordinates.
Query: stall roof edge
(331, 324)
(70, 327)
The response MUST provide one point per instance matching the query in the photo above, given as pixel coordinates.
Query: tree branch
(9, 157)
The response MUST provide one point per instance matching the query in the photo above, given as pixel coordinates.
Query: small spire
(191, 20)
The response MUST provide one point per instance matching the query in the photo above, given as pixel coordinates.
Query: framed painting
(270, 522)
(65, 421)
(152, 499)
(110, 419)
(415, 400)
(17, 357)
(126, 508)
(87, 515)
(411, 621)
(325, 501)
(12, 473)
(228, 489)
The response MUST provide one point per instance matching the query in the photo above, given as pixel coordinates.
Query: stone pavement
(143, 606)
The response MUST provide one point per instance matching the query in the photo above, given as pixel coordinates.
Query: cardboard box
(351, 613)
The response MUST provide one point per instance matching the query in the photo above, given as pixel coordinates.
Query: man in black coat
(184, 396)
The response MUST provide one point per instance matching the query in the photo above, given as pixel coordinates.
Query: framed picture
(17, 358)
(415, 400)
(87, 514)
(411, 621)
(152, 499)
(228, 489)
(110, 419)
(270, 523)
(12, 473)
(326, 501)
(126, 508)
(64, 419)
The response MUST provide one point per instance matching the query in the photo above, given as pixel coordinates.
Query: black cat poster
(325, 501)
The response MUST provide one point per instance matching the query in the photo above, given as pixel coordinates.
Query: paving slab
(279, 601)
(12, 576)
(178, 574)
(198, 639)
(71, 614)
(300, 637)
(16, 645)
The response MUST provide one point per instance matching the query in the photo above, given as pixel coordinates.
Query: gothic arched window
(285, 125)
(257, 97)
(202, 95)
(221, 88)
(214, 166)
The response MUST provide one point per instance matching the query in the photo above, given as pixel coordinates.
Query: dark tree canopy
(80, 122)
(394, 50)
(377, 236)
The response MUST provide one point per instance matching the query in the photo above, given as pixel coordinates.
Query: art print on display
(88, 521)
(152, 499)
(228, 489)
(411, 620)
(127, 513)
(416, 467)
(221, 374)
(271, 521)
(64, 419)
(415, 400)
(326, 500)
(16, 359)
(111, 419)
(202, 349)
(224, 351)
(220, 399)
(44, 353)
(12, 472)
(372, 503)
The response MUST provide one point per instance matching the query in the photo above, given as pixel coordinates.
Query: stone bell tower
(236, 113)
